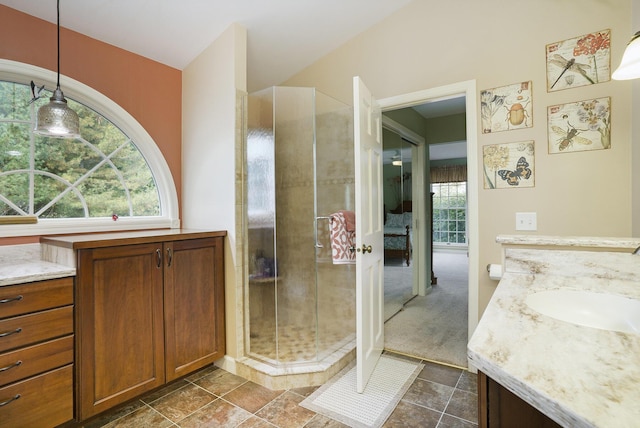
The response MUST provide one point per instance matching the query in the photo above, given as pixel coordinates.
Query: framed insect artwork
(581, 61)
(509, 165)
(579, 126)
(507, 107)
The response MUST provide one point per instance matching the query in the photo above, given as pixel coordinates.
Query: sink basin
(589, 309)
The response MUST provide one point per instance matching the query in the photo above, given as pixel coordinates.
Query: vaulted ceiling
(284, 36)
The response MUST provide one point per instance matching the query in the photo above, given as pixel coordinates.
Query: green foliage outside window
(449, 212)
(98, 175)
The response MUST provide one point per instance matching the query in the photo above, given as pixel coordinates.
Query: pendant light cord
(58, 25)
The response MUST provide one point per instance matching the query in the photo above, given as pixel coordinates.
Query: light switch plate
(526, 221)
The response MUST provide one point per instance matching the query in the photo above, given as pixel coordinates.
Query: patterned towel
(343, 238)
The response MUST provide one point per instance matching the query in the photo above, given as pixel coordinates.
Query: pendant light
(56, 119)
(630, 65)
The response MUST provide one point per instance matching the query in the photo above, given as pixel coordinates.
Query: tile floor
(441, 396)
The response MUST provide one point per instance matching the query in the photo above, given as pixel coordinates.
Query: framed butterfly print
(509, 166)
(580, 126)
(581, 61)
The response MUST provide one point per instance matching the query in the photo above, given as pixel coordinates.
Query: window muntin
(168, 217)
(449, 213)
(98, 175)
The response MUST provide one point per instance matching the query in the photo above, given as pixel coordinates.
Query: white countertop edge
(570, 241)
(22, 263)
(542, 402)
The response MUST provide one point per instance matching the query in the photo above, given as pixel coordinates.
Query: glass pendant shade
(630, 65)
(56, 119)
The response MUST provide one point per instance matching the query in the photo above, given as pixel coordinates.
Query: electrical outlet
(526, 221)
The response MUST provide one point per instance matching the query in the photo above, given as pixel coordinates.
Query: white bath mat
(339, 400)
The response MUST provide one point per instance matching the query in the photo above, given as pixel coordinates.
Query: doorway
(422, 235)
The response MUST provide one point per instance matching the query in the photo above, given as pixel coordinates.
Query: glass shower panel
(260, 224)
(295, 203)
(335, 181)
(299, 171)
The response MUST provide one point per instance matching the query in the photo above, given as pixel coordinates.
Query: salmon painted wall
(151, 92)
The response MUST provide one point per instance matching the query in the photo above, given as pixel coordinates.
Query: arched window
(112, 178)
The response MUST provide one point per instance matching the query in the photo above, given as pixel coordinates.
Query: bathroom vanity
(576, 370)
(144, 308)
(36, 338)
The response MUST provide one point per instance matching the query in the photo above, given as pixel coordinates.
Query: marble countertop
(22, 263)
(578, 376)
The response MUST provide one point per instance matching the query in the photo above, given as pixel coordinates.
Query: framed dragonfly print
(507, 107)
(581, 61)
(509, 166)
(580, 126)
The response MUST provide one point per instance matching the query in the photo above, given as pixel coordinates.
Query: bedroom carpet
(398, 287)
(434, 327)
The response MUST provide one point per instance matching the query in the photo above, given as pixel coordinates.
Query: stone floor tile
(411, 415)
(448, 421)
(428, 394)
(166, 390)
(220, 382)
(181, 403)
(251, 396)
(143, 417)
(255, 422)
(321, 421)
(464, 405)
(286, 412)
(441, 374)
(468, 382)
(218, 414)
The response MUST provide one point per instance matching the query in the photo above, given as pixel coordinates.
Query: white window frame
(439, 244)
(23, 73)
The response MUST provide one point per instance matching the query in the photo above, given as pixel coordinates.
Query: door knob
(365, 249)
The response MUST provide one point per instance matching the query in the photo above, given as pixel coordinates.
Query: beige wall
(210, 106)
(431, 44)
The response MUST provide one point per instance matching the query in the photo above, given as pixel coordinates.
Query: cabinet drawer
(33, 328)
(36, 296)
(29, 361)
(41, 401)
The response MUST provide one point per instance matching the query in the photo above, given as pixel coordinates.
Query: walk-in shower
(299, 170)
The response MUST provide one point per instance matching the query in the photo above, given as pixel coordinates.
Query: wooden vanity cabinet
(148, 313)
(120, 325)
(193, 305)
(499, 407)
(36, 353)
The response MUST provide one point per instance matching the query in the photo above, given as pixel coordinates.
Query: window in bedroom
(99, 175)
(449, 212)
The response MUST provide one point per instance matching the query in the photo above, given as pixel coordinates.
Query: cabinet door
(120, 351)
(194, 304)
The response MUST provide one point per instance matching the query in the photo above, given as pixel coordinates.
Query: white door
(369, 232)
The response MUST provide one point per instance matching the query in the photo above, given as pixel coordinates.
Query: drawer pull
(9, 333)
(158, 258)
(10, 366)
(14, 398)
(11, 299)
